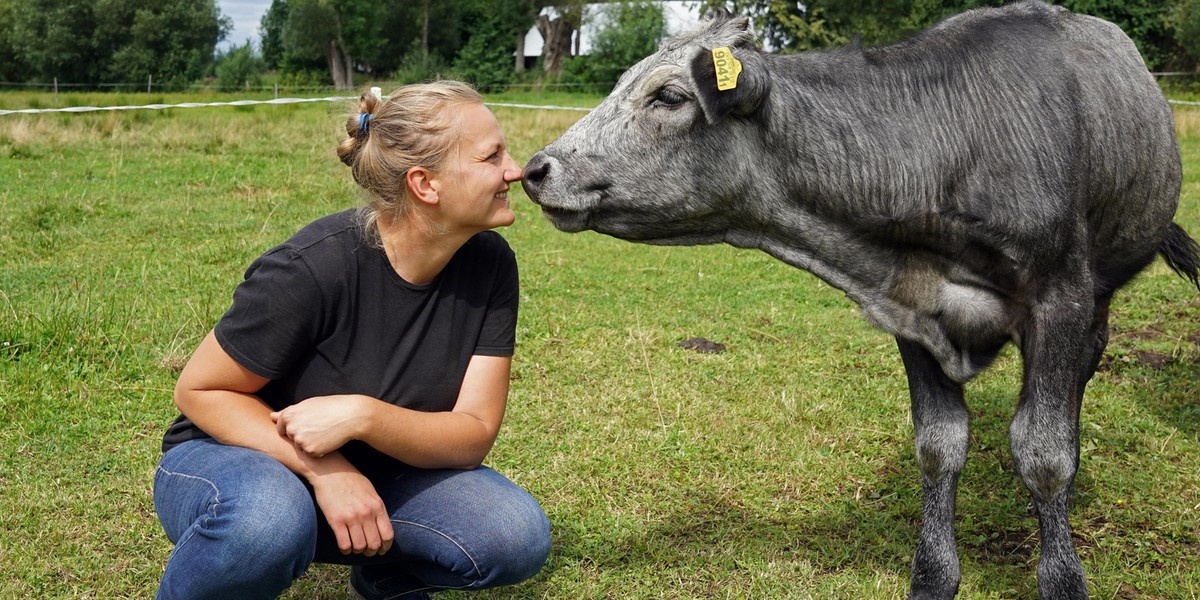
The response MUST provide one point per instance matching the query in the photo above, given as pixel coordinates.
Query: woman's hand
(322, 424)
(354, 511)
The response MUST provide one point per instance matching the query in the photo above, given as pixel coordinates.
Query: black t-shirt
(325, 313)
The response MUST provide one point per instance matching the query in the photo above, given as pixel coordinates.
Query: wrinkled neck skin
(798, 213)
(857, 202)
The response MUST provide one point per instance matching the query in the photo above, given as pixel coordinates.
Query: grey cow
(993, 179)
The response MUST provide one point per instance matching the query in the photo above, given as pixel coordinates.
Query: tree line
(330, 42)
(1167, 32)
(482, 41)
(97, 41)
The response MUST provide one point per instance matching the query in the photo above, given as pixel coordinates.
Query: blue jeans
(244, 526)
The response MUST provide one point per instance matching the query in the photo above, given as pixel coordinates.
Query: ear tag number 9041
(728, 68)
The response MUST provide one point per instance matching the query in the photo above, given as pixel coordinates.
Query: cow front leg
(940, 424)
(1058, 350)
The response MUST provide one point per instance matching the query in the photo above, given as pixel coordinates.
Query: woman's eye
(669, 97)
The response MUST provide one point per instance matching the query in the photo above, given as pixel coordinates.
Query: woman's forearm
(460, 438)
(244, 420)
(445, 440)
(218, 395)
(323, 424)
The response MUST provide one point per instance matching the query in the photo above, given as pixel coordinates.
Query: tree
(271, 30)
(786, 26)
(10, 67)
(629, 31)
(490, 25)
(170, 40)
(425, 26)
(1145, 21)
(314, 29)
(93, 41)
(53, 39)
(345, 34)
(1185, 21)
(880, 22)
(557, 31)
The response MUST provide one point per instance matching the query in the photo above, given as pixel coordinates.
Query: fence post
(149, 82)
(56, 90)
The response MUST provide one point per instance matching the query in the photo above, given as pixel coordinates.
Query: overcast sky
(246, 15)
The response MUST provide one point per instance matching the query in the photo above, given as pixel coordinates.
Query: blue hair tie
(364, 123)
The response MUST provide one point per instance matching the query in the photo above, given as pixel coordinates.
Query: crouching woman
(340, 411)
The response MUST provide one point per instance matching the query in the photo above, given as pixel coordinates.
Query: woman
(340, 411)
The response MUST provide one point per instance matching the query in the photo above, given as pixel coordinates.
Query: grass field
(781, 468)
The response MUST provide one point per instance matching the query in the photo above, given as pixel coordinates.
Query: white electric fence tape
(80, 109)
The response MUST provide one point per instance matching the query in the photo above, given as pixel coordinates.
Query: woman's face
(474, 183)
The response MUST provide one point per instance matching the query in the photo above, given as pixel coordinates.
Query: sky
(246, 15)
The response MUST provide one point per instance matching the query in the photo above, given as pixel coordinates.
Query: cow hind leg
(1060, 349)
(1098, 336)
(940, 425)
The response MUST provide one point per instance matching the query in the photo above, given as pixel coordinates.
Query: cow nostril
(535, 173)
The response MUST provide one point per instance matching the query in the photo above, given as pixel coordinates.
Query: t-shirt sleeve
(499, 334)
(276, 315)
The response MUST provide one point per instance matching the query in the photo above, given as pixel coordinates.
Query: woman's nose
(512, 171)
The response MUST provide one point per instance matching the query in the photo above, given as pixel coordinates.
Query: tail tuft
(1182, 254)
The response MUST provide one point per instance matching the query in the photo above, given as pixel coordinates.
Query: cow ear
(720, 14)
(730, 81)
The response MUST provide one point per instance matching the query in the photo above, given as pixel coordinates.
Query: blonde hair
(414, 127)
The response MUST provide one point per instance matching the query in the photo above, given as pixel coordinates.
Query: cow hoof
(932, 594)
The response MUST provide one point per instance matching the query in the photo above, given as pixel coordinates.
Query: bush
(417, 66)
(304, 78)
(487, 60)
(240, 68)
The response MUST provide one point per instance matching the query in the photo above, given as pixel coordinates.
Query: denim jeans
(244, 526)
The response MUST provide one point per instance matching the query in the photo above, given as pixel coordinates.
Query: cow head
(666, 157)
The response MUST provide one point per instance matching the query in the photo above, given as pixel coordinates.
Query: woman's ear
(421, 185)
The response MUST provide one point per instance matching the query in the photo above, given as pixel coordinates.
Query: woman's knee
(526, 549)
(278, 516)
(513, 540)
(477, 555)
(227, 509)
(484, 530)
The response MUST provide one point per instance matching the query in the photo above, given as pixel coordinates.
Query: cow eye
(669, 96)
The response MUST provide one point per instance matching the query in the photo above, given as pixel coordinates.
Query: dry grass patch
(1187, 121)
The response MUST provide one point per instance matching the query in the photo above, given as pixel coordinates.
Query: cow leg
(1060, 350)
(1098, 335)
(940, 426)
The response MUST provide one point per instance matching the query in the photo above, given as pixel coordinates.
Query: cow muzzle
(534, 177)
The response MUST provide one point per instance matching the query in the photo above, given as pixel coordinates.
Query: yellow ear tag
(728, 68)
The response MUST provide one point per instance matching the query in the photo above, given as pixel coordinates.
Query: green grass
(781, 468)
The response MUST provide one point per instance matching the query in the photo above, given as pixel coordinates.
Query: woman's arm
(217, 394)
(460, 438)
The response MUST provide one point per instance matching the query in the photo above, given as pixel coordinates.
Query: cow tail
(1182, 254)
